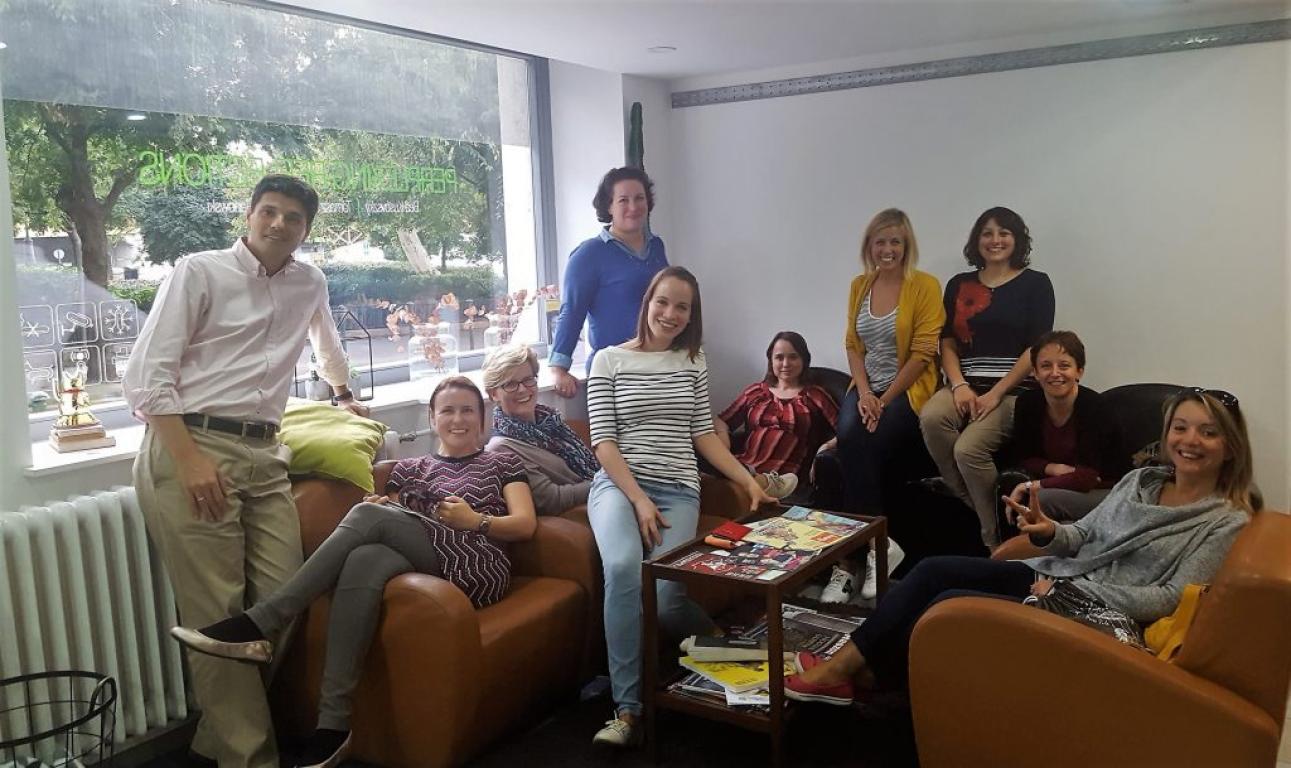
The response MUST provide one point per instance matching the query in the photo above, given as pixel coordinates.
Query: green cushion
(330, 441)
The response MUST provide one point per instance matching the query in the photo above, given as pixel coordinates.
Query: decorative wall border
(1096, 50)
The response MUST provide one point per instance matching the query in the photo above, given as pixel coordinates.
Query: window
(135, 130)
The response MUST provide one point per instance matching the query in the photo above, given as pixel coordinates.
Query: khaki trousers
(964, 451)
(218, 569)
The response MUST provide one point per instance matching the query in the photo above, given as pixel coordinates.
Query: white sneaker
(779, 486)
(870, 589)
(841, 586)
(618, 733)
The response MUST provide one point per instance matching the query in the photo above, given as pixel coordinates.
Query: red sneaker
(805, 660)
(840, 695)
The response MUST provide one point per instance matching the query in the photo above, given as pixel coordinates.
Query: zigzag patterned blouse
(470, 560)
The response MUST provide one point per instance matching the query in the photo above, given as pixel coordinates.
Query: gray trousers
(1064, 506)
(370, 546)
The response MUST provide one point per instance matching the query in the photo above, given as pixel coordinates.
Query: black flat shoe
(325, 749)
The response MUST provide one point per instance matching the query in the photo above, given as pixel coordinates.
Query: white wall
(1155, 187)
(656, 110)
(586, 141)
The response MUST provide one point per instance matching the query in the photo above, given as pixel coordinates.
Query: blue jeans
(614, 523)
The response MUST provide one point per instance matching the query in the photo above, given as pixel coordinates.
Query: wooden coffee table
(773, 592)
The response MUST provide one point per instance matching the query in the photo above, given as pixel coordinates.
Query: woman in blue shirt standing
(608, 274)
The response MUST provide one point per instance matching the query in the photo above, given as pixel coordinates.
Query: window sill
(388, 398)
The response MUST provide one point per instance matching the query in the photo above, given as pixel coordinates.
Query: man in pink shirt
(210, 374)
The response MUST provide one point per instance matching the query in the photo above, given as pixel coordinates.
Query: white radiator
(81, 589)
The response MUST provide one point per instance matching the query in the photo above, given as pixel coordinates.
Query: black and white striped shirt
(653, 405)
(880, 337)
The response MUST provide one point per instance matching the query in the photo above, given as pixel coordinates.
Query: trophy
(77, 429)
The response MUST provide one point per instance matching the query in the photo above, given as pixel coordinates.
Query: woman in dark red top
(787, 418)
(1061, 438)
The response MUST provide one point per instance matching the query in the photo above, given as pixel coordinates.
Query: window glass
(136, 129)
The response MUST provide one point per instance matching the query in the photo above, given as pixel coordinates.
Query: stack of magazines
(767, 549)
(734, 670)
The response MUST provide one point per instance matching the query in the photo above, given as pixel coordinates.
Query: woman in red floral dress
(993, 315)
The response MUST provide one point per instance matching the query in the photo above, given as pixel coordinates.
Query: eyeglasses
(529, 382)
(1226, 399)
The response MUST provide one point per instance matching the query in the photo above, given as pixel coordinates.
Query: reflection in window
(136, 129)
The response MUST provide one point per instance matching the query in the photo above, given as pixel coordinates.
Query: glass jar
(430, 352)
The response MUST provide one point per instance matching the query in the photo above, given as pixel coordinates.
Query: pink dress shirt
(224, 336)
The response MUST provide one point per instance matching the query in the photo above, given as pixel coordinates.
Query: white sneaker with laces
(779, 486)
(841, 586)
(870, 589)
(617, 733)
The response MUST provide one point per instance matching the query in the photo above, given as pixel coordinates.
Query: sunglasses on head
(1226, 399)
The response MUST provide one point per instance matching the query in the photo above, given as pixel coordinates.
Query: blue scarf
(549, 432)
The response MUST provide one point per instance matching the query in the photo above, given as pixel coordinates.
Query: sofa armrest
(320, 504)
(719, 496)
(420, 689)
(559, 549)
(997, 683)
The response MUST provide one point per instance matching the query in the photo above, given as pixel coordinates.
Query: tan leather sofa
(443, 680)
(994, 683)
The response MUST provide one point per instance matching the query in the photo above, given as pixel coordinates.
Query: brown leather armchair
(995, 683)
(442, 679)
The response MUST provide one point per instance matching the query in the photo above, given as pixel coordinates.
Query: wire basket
(57, 720)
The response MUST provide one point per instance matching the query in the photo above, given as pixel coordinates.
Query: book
(731, 531)
(825, 521)
(734, 676)
(727, 648)
(807, 630)
(93, 429)
(81, 443)
(719, 562)
(767, 557)
(790, 534)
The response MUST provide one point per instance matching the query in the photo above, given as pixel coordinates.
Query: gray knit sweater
(554, 485)
(1136, 555)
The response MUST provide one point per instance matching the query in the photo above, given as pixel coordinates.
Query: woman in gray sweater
(558, 463)
(1160, 529)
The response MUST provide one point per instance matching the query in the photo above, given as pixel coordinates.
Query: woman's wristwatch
(485, 522)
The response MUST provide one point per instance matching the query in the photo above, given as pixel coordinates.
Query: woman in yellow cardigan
(894, 319)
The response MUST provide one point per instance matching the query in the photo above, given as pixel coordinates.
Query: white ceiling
(717, 36)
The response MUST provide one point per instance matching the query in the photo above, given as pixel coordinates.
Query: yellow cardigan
(920, 316)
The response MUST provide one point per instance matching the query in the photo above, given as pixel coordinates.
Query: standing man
(608, 274)
(210, 374)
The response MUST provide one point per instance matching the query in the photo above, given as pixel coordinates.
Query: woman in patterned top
(448, 514)
(786, 418)
(648, 404)
(993, 316)
(559, 464)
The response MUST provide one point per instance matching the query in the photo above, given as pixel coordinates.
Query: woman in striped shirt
(993, 316)
(647, 401)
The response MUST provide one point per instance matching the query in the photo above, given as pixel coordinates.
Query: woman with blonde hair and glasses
(559, 465)
(1159, 530)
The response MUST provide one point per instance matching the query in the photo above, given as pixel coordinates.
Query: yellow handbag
(1165, 636)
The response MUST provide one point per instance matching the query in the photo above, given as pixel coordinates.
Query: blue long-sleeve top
(605, 281)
